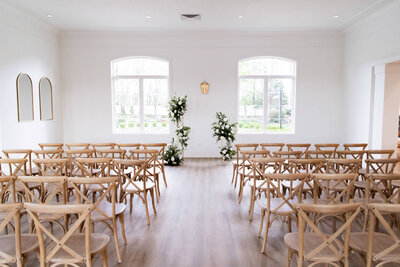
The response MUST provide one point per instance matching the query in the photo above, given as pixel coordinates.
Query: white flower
(173, 159)
(180, 102)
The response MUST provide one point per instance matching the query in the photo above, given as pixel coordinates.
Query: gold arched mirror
(46, 99)
(24, 98)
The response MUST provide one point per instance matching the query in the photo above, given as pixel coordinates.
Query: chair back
(103, 145)
(48, 153)
(287, 154)
(18, 154)
(327, 146)
(51, 146)
(379, 154)
(161, 152)
(333, 188)
(127, 147)
(72, 155)
(387, 253)
(11, 213)
(355, 146)
(327, 243)
(383, 187)
(79, 146)
(110, 153)
(107, 194)
(350, 154)
(306, 165)
(384, 166)
(93, 167)
(298, 147)
(57, 250)
(137, 179)
(343, 165)
(272, 146)
(51, 167)
(54, 189)
(13, 167)
(319, 154)
(7, 189)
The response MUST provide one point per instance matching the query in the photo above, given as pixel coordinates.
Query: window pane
(140, 66)
(126, 104)
(251, 105)
(155, 105)
(266, 66)
(280, 94)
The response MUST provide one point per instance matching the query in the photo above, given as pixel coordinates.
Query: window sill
(268, 133)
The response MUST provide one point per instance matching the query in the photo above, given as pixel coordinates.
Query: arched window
(140, 95)
(266, 95)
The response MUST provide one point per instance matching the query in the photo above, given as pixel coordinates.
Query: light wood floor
(199, 223)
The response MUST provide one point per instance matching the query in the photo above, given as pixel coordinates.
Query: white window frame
(265, 79)
(142, 129)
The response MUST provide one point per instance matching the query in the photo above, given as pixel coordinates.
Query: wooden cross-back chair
(48, 154)
(110, 153)
(105, 207)
(258, 184)
(93, 167)
(376, 247)
(237, 164)
(72, 155)
(287, 155)
(355, 146)
(332, 188)
(14, 248)
(327, 146)
(350, 154)
(72, 247)
(319, 154)
(127, 147)
(150, 155)
(277, 204)
(299, 147)
(78, 146)
(103, 145)
(54, 190)
(21, 153)
(51, 167)
(272, 146)
(159, 160)
(379, 153)
(51, 146)
(246, 167)
(13, 167)
(136, 183)
(343, 165)
(317, 246)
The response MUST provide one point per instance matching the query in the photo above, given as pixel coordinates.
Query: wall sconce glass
(204, 87)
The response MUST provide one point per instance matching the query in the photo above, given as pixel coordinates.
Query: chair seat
(307, 186)
(77, 243)
(363, 185)
(29, 243)
(334, 186)
(359, 242)
(138, 187)
(107, 209)
(312, 241)
(285, 209)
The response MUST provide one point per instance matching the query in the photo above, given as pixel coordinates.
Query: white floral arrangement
(173, 155)
(182, 133)
(177, 108)
(224, 130)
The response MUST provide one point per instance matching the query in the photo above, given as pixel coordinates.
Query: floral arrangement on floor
(225, 132)
(173, 155)
(174, 152)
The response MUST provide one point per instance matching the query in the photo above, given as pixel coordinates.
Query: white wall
(373, 41)
(30, 46)
(195, 57)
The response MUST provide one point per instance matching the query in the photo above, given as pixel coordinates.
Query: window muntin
(140, 95)
(266, 95)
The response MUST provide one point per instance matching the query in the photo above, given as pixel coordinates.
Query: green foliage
(182, 133)
(122, 125)
(154, 124)
(223, 129)
(131, 125)
(138, 124)
(173, 155)
(177, 108)
(146, 124)
(164, 124)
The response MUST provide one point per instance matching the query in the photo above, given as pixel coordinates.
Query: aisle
(199, 223)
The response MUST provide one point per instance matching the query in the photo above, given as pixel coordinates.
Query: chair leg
(261, 222)
(233, 174)
(236, 176)
(164, 178)
(264, 245)
(146, 207)
(252, 202)
(131, 203)
(122, 222)
(116, 240)
(289, 257)
(104, 257)
(152, 201)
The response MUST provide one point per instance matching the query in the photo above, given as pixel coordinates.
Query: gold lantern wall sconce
(204, 87)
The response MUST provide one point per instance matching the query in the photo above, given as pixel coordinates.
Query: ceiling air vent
(190, 17)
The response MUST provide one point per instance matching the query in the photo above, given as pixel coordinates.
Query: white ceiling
(259, 15)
